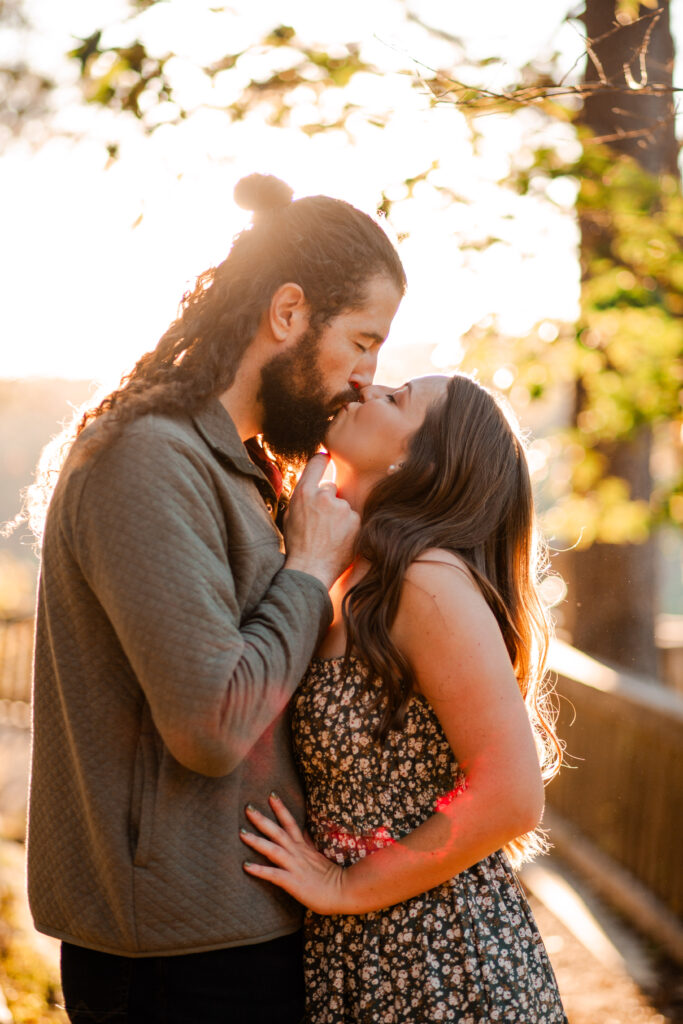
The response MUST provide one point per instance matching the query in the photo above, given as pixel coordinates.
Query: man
(172, 627)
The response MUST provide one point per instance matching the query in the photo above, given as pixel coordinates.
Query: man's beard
(296, 408)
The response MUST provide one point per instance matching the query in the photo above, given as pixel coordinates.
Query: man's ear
(288, 312)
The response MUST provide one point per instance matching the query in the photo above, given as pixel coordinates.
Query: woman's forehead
(429, 386)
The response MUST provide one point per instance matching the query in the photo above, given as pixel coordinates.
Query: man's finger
(314, 470)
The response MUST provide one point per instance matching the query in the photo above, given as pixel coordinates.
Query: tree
(613, 584)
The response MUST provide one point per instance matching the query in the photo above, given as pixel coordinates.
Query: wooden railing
(624, 788)
(16, 649)
(16, 655)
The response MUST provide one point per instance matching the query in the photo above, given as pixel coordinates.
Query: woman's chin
(333, 453)
(331, 434)
(334, 447)
(336, 452)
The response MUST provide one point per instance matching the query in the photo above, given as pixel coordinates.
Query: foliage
(130, 79)
(625, 355)
(629, 347)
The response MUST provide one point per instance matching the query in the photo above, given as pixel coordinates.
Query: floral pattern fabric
(466, 951)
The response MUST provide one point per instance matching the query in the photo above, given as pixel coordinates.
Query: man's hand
(319, 527)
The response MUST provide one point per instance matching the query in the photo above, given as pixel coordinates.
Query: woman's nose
(371, 391)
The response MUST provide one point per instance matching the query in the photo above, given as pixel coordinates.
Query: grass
(31, 989)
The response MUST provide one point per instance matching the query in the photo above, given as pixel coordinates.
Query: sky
(96, 256)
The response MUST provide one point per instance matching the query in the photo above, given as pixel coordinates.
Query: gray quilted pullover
(169, 640)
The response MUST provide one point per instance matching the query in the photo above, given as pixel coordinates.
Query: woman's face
(371, 435)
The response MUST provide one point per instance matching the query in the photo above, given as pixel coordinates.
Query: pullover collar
(215, 425)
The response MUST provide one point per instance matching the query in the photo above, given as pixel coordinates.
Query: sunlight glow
(97, 254)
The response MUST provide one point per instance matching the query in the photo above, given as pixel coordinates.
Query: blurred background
(525, 158)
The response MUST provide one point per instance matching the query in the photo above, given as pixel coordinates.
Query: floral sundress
(468, 950)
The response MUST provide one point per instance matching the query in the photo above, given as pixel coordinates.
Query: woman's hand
(298, 868)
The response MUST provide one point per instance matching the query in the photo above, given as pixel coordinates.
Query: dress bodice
(361, 796)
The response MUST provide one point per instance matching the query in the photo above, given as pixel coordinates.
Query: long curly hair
(464, 486)
(328, 247)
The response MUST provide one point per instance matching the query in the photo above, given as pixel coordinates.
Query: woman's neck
(334, 641)
(354, 488)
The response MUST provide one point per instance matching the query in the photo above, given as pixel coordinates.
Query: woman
(422, 730)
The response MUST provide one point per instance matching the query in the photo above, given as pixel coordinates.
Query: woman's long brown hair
(464, 487)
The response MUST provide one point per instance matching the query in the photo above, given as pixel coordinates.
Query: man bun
(262, 193)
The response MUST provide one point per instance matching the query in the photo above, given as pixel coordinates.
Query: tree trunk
(645, 123)
(612, 588)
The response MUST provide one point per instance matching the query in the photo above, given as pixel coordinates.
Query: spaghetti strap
(440, 561)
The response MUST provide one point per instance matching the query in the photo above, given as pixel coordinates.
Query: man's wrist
(320, 570)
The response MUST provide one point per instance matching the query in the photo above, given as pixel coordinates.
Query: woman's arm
(452, 641)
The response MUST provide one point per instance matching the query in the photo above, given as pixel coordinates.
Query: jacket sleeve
(150, 536)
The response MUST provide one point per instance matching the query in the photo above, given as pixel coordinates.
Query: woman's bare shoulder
(440, 589)
(437, 565)
(444, 625)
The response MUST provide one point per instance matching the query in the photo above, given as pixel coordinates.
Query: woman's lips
(340, 410)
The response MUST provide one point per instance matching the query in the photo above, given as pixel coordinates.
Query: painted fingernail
(273, 795)
(251, 807)
(248, 864)
(245, 832)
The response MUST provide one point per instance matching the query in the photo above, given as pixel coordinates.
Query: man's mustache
(343, 399)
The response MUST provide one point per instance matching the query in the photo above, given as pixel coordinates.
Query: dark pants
(260, 984)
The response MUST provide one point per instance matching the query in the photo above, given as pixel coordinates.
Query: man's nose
(364, 370)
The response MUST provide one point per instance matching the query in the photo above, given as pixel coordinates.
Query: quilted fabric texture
(169, 640)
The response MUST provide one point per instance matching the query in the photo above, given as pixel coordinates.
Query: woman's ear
(288, 313)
